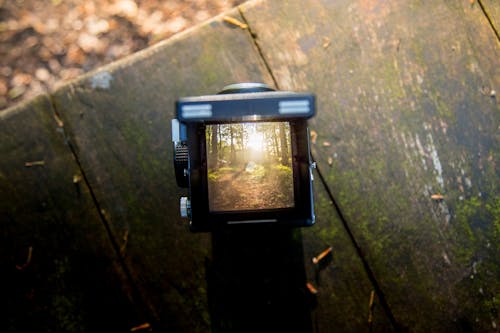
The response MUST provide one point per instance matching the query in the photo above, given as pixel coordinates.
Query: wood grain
(406, 137)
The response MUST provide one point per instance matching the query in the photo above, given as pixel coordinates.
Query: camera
(244, 156)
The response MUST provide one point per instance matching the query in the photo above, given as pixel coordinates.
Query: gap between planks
(488, 18)
(136, 294)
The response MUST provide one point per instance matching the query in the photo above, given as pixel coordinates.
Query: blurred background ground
(44, 43)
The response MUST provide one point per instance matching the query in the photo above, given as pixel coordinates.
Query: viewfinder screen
(249, 166)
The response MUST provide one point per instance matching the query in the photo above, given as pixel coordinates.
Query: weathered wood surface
(119, 120)
(406, 111)
(57, 265)
(492, 11)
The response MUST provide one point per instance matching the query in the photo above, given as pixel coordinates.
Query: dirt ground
(44, 43)
(250, 188)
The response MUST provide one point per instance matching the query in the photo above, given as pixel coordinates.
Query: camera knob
(181, 164)
(185, 206)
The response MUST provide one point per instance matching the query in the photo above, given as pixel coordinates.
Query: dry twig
(314, 136)
(145, 326)
(322, 255)
(235, 22)
(28, 260)
(125, 242)
(437, 197)
(371, 304)
(59, 122)
(34, 163)
(311, 288)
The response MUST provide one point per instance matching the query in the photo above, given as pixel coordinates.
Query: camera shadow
(257, 281)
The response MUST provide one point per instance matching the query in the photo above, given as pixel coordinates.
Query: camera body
(244, 155)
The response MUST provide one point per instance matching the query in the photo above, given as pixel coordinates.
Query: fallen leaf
(326, 144)
(127, 8)
(70, 73)
(176, 24)
(90, 43)
(202, 15)
(54, 65)
(75, 55)
(42, 74)
(154, 24)
(6, 71)
(54, 45)
(3, 88)
(21, 79)
(96, 26)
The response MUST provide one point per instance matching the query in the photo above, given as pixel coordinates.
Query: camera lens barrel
(246, 87)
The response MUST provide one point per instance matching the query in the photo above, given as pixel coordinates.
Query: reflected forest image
(249, 166)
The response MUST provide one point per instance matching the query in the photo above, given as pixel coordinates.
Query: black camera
(244, 155)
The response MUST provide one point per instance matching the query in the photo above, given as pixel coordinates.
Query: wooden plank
(59, 272)
(406, 113)
(119, 122)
